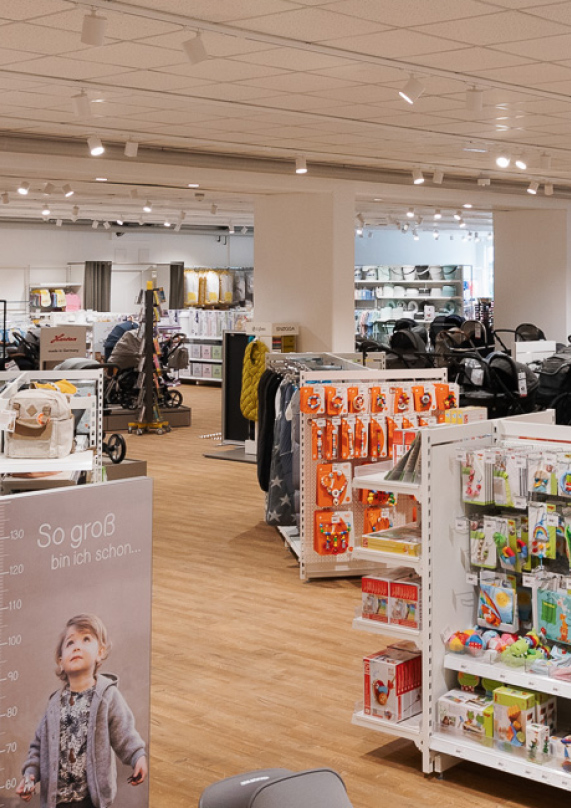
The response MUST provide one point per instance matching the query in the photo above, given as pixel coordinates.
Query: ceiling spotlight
(167, 223)
(548, 189)
(133, 193)
(244, 231)
(46, 211)
(477, 237)
(437, 214)
(502, 161)
(461, 223)
(213, 209)
(490, 236)
(67, 190)
(417, 176)
(59, 222)
(95, 224)
(49, 188)
(521, 163)
(300, 165)
(141, 220)
(5, 198)
(93, 29)
(106, 225)
(23, 188)
(193, 185)
(412, 90)
(119, 222)
(177, 227)
(436, 235)
(415, 235)
(148, 206)
(100, 179)
(484, 181)
(545, 162)
(458, 216)
(438, 177)
(95, 146)
(75, 210)
(474, 100)
(195, 50)
(467, 205)
(410, 213)
(360, 218)
(231, 230)
(405, 227)
(359, 231)
(82, 105)
(182, 215)
(131, 148)
(533, 188)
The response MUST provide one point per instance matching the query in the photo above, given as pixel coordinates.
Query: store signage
(65, 552)
(63, 342)
(273, 329)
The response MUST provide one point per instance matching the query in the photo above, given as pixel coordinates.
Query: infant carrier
(278, 788)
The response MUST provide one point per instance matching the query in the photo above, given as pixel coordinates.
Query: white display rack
(384, 629)
(411, 728)
(449, 602)
(291, 537)
(89, 460)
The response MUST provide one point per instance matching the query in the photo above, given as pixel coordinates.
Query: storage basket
(388, 291)
(412, 291)
(409, 273)
(435, 273)
(422, 273)
(436, 291)
(383, 273)
(370, 273)
(451, 273)
(396, 273)
(399, 291)
(448, 290)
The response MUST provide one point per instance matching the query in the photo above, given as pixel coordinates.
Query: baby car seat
(278, 788)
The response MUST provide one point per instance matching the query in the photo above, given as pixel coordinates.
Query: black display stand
(235, 428)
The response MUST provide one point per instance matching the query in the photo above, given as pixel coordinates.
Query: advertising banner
(75, 597)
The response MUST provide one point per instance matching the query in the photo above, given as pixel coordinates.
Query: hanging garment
(191, 287)
(72, 302)
(295, 417)
(252, 369)
(280, 499)
(226, 287)
(212, 287)
(267, 389)
(239, 287)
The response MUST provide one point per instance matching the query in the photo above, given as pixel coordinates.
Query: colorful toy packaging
(405, 606)
(376, 594)
(513, 710)
(333, 532)
(393, 684)
(467, 714)
(554, 615)
(542, 473)
(510, 479)
(333, 484)
(477, 485)
(560, 748)
(497, 605)
(537, 747)
(543, 522)
(546, 711)
(483, 550)
(403, 540)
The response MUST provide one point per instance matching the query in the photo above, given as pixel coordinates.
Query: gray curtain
(176, 294)
(97, 285)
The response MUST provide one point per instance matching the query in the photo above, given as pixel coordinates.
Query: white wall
(394, 247)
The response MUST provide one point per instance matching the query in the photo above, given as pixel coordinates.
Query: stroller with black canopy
(499, 383)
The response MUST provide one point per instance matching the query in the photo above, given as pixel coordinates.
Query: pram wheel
(172, 399)
(115, 447)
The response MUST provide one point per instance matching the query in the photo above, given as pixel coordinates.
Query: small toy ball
(506, 640)
(456, 644)
(475, 644)
(489, 636)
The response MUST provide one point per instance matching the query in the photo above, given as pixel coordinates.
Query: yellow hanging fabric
(252, 369)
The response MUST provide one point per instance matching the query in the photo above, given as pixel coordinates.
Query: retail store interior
(222, 216)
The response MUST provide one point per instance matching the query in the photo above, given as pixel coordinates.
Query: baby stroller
(26, 350)
(278, 788)
(504, 386)
(407, 346)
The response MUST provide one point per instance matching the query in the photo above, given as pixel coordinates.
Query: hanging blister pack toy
(312, 399)
(336, 400)
(423, 397)
(543, 523)
(361, 437)
(358, 399)
(333, 484)
(564, 474)
(542, 473)
(497, 604)
(378, 444)
(348, 438)
(376, 519)
(318, 439)
(445, 397)
(554, 614)
(333, 532)
(476, 476)
(378, 399)
(483, 551)
(401, 400)
(510, 479)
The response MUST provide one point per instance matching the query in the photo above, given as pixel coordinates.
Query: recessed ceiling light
(148, 206)
(193, 185)
(533, 188)
(412, 90)
(23, 188)
(131, 148)
(100, 179)
(521, 163)
(437, 214)
(417, 176)
(503, 161)
(300, 165)
(46, 211)
(95, 146)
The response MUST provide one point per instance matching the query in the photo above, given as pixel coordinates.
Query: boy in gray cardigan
(85, 724)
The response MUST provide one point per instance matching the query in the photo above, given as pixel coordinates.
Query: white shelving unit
(411, 729)
(448, 600)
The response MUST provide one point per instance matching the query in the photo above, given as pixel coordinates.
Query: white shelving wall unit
(449, 598)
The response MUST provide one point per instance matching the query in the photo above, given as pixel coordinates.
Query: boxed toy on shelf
(467, 714)
(393, 598)
(393, 684)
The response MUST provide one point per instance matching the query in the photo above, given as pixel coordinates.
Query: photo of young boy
(86, 723)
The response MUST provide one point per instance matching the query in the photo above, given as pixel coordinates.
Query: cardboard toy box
(537, 743)
(513, 710)
(560, 749)
(546, 711)
(375, 594)
(465, 415)
(393, 684)
(467, 714)
(405, 603)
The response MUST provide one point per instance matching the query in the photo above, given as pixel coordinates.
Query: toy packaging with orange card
(333, 532)
(333, 484)
(393, 684)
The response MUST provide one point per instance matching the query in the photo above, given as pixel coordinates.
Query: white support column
(304, 255)
(532, 270)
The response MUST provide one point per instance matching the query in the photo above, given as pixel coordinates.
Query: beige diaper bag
(44, 425)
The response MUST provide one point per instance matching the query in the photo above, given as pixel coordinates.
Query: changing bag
(44, 425)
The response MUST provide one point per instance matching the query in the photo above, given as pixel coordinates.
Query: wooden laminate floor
(253, 668)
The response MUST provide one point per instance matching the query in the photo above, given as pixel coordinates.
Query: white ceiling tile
(404, 13)
(563, 87)
(396, 44)
(119, 26)
(493, 29)
(8, 56)
(65, 68)
(519, 4)
(527, 75)
(361, 94)
(233, 92)
(349, 111)
(153, 80)
(34, 39)
(132, 54)
(33, 100)
(559, 12)
(300, 83)
(307, 103)
(224, 70)
(553, 48)
(364, 73)
(470, 59)
(295, 59)
(311, 25)
(220, 11)
(28, 9)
